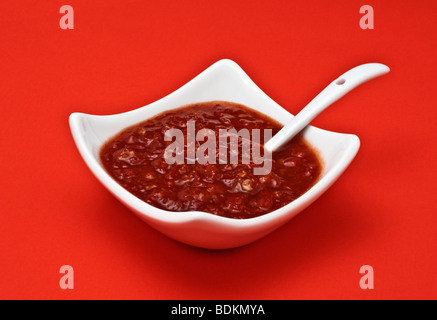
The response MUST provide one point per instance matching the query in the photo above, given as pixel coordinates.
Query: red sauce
(135, 159)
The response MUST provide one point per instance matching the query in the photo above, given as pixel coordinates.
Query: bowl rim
(163, 216)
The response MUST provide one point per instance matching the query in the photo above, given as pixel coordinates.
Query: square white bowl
(224, 81)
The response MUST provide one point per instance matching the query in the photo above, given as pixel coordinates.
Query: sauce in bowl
(136, 159)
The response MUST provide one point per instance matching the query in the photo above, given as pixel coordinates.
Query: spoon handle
(334, 91)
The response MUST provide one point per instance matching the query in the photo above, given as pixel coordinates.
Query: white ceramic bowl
(225, 81)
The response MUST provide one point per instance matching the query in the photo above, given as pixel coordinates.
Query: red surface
(125, 54)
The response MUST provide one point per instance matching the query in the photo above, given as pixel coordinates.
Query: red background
(122, 55)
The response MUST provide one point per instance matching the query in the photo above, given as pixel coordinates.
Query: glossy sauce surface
(135, 159)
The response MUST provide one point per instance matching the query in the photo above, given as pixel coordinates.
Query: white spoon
(334, 91)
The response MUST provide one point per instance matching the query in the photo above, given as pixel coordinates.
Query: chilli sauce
(135, 159)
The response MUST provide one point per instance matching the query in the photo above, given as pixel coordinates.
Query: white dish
(224, 81)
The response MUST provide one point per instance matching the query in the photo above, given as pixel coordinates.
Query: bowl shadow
(251, 271)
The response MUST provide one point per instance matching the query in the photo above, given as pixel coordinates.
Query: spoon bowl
(224, 81)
